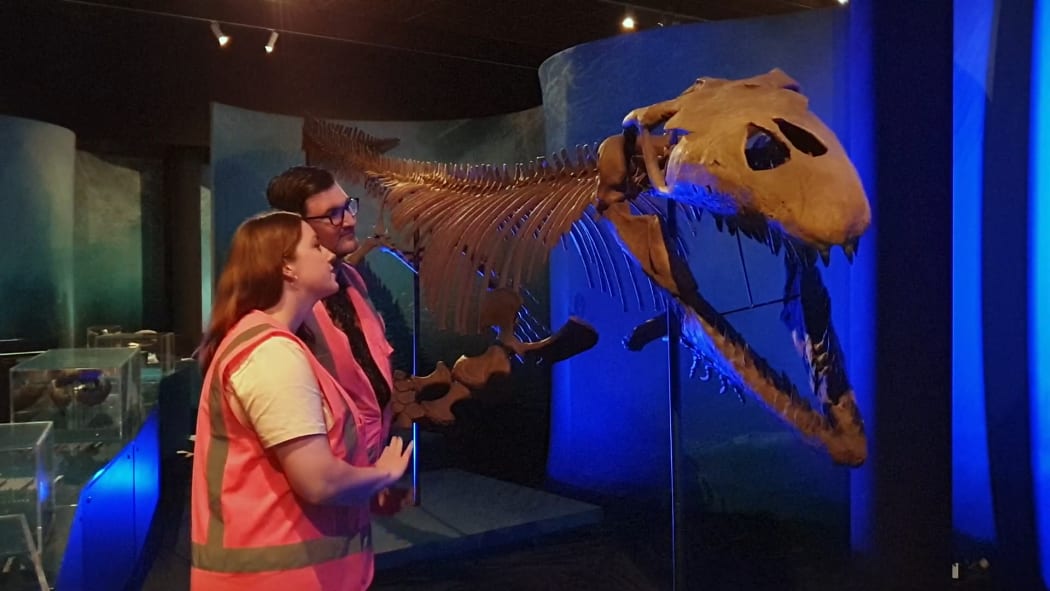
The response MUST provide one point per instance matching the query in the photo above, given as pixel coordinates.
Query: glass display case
(19, 557)
(92, 398)
(10, 357)
(93, 332)
(26, 475)
(157, 357)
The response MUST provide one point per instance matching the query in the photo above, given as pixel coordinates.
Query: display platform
(463, 512)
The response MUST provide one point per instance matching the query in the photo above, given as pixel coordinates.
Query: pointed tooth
(848, 250)
(731, 224)
(755, 230)
(825, 256)
(718, 222)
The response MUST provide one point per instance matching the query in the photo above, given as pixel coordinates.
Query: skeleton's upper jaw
(819, 206)
(818, 200)
(753, 148)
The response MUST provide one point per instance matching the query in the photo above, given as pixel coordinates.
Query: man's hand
(391, 500)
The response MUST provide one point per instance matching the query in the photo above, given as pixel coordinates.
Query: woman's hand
(320, 478)
(394, 459)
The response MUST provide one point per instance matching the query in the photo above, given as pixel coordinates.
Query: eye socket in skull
(804, 141)
(695, 86)
(762, 150)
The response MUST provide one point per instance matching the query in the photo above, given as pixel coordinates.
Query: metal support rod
(417, 303)
(674, 403)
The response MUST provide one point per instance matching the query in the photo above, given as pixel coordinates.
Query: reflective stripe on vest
(213, 555)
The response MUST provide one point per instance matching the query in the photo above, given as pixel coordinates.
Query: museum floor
(625, 551)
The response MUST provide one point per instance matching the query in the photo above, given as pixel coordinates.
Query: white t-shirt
(278, 393)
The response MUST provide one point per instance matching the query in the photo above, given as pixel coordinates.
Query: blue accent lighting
(1039, 280)
(972, 512)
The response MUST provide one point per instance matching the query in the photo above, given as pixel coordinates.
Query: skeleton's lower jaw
(839, 431)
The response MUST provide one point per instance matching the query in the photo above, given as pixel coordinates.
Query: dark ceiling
(146, 71)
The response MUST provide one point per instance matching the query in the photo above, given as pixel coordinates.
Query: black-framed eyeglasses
(336, 214)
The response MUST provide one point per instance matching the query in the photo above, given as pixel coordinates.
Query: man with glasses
(345, 333)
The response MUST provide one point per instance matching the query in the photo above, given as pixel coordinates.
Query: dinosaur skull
(752, 149)
(751, 153)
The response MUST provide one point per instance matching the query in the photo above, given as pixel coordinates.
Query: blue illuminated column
(1039, 281)
(1007, 297)
(972, 512)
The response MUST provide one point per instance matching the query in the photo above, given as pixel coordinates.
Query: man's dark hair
(289, 190)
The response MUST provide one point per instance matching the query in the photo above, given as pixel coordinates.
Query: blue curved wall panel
(609, 410)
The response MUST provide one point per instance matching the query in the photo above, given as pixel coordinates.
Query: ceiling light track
(274, 32)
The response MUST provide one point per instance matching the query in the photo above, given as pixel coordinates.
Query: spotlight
(222, 38)
(273, 41)
(628, 23)
(843, 2)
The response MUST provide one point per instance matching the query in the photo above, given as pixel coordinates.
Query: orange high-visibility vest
(249, 529)
(376, 421)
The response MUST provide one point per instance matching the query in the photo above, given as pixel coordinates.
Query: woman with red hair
(281, 485)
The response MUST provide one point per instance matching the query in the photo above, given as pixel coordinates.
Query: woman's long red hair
(253, 278)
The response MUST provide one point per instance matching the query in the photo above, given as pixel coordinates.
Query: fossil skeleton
(499, 309)
(747, 151)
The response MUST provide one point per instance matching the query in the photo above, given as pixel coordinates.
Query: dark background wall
(138, 86)
(117, 76)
